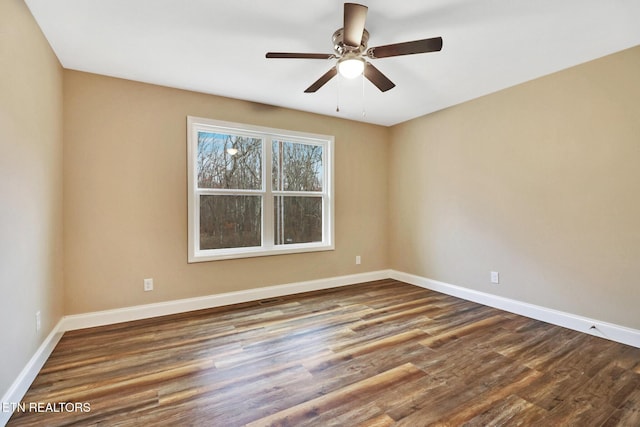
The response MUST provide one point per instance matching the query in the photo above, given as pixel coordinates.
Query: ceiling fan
(350, 47)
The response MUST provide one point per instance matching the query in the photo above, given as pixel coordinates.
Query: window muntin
(257, 191)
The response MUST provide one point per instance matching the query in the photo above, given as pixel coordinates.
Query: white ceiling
(218, 47)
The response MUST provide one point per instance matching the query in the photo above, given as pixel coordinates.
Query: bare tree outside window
(297, 219)
(297, 168)
(229, 162)
(230, 221)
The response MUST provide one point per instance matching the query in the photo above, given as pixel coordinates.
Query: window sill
(239, 253)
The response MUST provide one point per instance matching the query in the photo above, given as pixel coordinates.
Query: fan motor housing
(341, 48)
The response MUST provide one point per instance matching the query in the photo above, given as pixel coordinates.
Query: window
(256, 191)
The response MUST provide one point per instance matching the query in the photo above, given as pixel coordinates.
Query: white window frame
(268, 135)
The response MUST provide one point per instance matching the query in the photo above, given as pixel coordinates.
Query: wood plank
(308, 412)
(628, 414)
(460, 331)
(383, 420)
(512, 411)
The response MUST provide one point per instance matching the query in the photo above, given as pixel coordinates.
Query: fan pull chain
(364, 111)
(338, 96)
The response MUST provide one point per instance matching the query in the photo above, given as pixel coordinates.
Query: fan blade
(355, 16)
(322, 80)
(406, 48)
(376, 77)
(299, 55)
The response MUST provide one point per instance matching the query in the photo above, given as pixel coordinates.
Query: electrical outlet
(495, 277)
(148, 285)
(38, 321)
(358, 260)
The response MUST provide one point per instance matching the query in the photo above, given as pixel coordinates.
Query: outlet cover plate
(495, 277)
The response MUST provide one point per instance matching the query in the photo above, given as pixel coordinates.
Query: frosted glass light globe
(351, 67)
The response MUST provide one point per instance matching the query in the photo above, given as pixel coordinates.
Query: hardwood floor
(377, 354)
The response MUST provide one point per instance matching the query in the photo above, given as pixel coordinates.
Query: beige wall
(540, 182)
(126, 202)
(30, 188)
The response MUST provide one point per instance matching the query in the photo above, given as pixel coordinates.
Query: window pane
(230, 221)
(297, 219)
(229, 161)
(297, 167)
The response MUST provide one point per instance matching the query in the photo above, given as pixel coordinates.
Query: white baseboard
(583, 324)
(20, 386)
(108, 317)
(586, 325)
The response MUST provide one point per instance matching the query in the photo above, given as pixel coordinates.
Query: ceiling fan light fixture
(351, 66)
(232, 151)
(354, 57)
